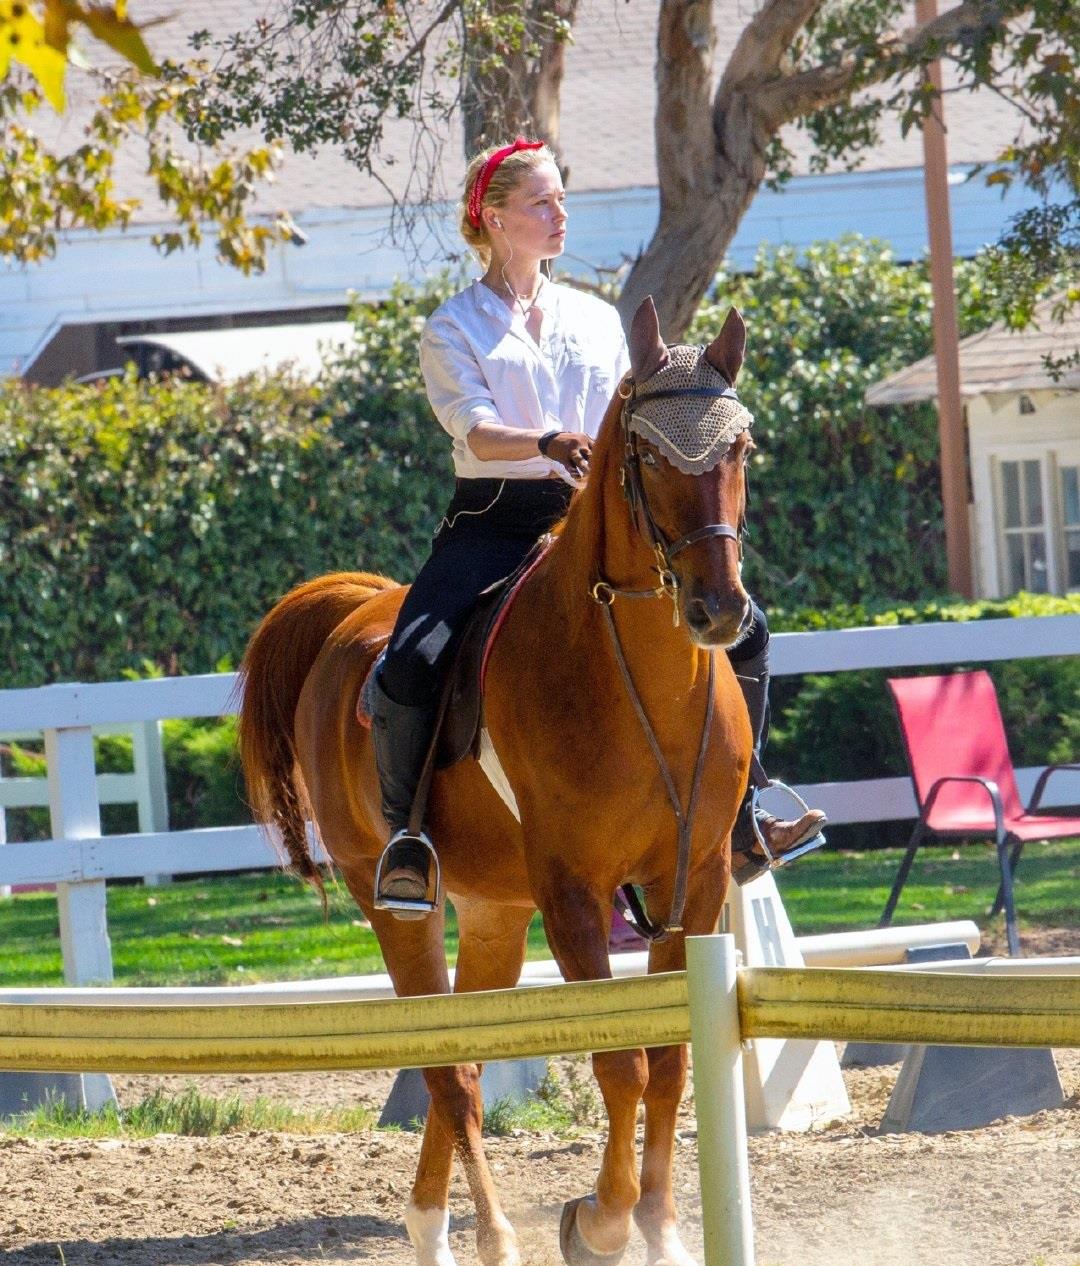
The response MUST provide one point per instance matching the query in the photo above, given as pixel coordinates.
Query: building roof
(997, 359)
(608, 100)
(226, 355)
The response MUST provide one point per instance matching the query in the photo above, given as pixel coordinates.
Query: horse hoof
(574, 1249)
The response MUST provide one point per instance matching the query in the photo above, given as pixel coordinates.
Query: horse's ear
(725, 353)
(647, 350)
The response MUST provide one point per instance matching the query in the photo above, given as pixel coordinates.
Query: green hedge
(846, 501)
(160, 520)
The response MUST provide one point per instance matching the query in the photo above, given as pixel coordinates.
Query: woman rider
(519, 371)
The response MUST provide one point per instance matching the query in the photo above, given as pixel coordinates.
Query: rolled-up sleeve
(456, 388)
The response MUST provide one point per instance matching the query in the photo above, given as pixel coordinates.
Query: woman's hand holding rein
(570, 449)
(490, 441)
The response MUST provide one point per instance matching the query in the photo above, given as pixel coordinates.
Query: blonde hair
(504, 180)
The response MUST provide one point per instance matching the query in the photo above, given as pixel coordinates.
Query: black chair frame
(1009, 847)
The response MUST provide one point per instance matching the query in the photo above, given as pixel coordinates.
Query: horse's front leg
(596, 1228)
(655, 1214)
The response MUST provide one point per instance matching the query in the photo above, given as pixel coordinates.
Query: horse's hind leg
(596, 1229)
(491, 950)
(416, 959)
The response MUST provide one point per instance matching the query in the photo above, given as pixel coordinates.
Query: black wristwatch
(545, 439)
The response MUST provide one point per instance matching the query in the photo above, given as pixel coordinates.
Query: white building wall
(121, 276)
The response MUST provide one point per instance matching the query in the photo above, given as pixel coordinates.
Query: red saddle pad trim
(504, 611)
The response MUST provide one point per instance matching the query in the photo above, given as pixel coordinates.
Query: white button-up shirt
(481, 364)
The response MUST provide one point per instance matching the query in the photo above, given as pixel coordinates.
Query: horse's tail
(276, 663)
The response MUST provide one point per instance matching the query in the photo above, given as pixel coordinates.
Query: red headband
(476, 197)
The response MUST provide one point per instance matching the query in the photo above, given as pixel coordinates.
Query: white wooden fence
(79, 859)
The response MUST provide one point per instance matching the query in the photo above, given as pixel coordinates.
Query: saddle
(460, 715)
(461, 711)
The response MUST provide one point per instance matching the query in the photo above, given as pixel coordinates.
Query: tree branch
(795, 95)
(766, 39)
(420, 42)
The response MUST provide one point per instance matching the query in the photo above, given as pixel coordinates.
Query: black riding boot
(401, 737)
(748, 859)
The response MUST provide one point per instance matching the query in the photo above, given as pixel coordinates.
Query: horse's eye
(647, 458)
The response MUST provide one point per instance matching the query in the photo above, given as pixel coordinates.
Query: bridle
(605, 594)
(633, 487)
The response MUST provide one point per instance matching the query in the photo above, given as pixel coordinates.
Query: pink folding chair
(964, 780)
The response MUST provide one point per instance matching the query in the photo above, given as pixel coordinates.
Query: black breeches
(488, 529)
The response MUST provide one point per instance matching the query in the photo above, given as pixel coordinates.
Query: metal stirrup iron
(807, 846)
(410, 907)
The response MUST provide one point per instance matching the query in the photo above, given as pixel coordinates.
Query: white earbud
(497, 223)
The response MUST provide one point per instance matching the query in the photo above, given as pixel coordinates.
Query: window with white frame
(1038, 523)
(1023, 526)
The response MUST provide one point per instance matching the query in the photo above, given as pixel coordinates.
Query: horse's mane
(581, 534)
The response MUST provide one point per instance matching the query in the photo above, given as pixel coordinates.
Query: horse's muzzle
(717, 619)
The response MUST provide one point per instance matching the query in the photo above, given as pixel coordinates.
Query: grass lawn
(242, 929)
(839, 892)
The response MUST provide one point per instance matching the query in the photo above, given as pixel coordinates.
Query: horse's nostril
(697, 614)
(713, 616)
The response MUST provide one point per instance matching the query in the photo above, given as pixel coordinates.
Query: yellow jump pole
(716, 1042)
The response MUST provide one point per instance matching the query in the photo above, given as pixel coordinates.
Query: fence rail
(819, 1003)
(712, 1003)
(80, 859)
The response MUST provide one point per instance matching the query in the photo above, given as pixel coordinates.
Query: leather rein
(604, 594)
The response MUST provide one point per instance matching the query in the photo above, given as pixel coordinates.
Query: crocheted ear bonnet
(693, 432)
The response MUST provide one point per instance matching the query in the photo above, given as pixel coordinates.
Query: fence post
(75, 815)
(716, 1043)
(84, 935)
(148, 753)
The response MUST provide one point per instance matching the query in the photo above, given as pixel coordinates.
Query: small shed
(1023, 442)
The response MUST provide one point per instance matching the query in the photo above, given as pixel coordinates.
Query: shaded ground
(1006, 1195)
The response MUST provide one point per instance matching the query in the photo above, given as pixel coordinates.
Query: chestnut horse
(593, 791)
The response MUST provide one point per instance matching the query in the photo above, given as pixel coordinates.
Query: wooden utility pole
(954, 479)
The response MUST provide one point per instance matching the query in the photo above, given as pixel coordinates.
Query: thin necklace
(526, 302)
(521, 300)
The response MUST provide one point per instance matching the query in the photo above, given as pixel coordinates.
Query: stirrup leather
(410, 907)
(815, 841)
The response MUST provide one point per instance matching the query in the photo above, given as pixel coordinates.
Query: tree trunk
(710, 163)
(711, 155)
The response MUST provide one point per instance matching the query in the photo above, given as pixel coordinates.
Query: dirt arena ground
(845, 1195)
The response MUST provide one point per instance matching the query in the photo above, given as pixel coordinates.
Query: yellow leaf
(111, 25)
(22, 38)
